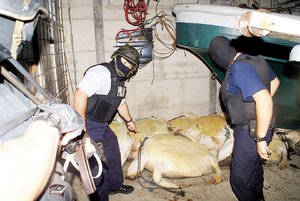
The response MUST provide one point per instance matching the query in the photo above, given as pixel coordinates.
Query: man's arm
(80, 103)
(264, 110)
(274, 86)
(123, 111)
(27, 162)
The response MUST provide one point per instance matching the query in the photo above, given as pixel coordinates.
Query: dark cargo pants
(113, 177)
(246, 175)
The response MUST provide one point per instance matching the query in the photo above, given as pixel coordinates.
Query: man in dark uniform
(98, 97)
(246, 93)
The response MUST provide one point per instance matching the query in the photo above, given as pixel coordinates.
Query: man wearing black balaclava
(246, 93)
(98, 97)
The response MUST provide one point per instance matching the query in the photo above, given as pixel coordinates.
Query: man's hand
(263, 150)
(131, 126)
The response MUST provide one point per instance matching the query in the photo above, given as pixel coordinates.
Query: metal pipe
(99, 33)
(19, 85)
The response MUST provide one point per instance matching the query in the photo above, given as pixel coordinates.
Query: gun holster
(81, 157)
(78, 152)
(84, 168)
(252, 128)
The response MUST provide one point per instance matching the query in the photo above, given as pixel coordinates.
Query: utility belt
(250, 127)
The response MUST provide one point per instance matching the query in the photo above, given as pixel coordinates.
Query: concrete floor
(279, 185)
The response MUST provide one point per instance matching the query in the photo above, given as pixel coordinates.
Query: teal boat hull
(196, 38)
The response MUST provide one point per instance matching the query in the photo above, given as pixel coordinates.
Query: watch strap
(259, 139)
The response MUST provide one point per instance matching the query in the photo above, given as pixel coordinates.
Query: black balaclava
(221, 51)
(122, 70)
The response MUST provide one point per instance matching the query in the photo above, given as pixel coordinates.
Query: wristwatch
(259, 139)
(128, 121)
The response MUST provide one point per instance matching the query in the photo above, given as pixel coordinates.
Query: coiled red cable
(137, 11)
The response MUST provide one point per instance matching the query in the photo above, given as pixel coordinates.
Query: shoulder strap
(261, 66)
(102, 64)
(108, 66)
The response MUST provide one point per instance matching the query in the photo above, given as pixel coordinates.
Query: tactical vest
(102, 108)
(239, 111)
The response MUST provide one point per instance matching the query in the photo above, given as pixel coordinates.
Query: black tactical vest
(102, 108)
(239, 111)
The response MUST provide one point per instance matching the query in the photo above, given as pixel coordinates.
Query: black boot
(125, 189)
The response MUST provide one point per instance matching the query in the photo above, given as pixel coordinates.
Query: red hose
(127, 33)
(137, 11)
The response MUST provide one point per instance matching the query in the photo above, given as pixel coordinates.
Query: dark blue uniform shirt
(244, 79)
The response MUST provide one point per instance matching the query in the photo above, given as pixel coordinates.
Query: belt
(245, 127)
(250, 125)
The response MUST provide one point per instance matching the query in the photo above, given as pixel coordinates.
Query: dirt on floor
(279, 185)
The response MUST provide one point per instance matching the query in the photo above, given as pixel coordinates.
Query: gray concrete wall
(163, 88)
